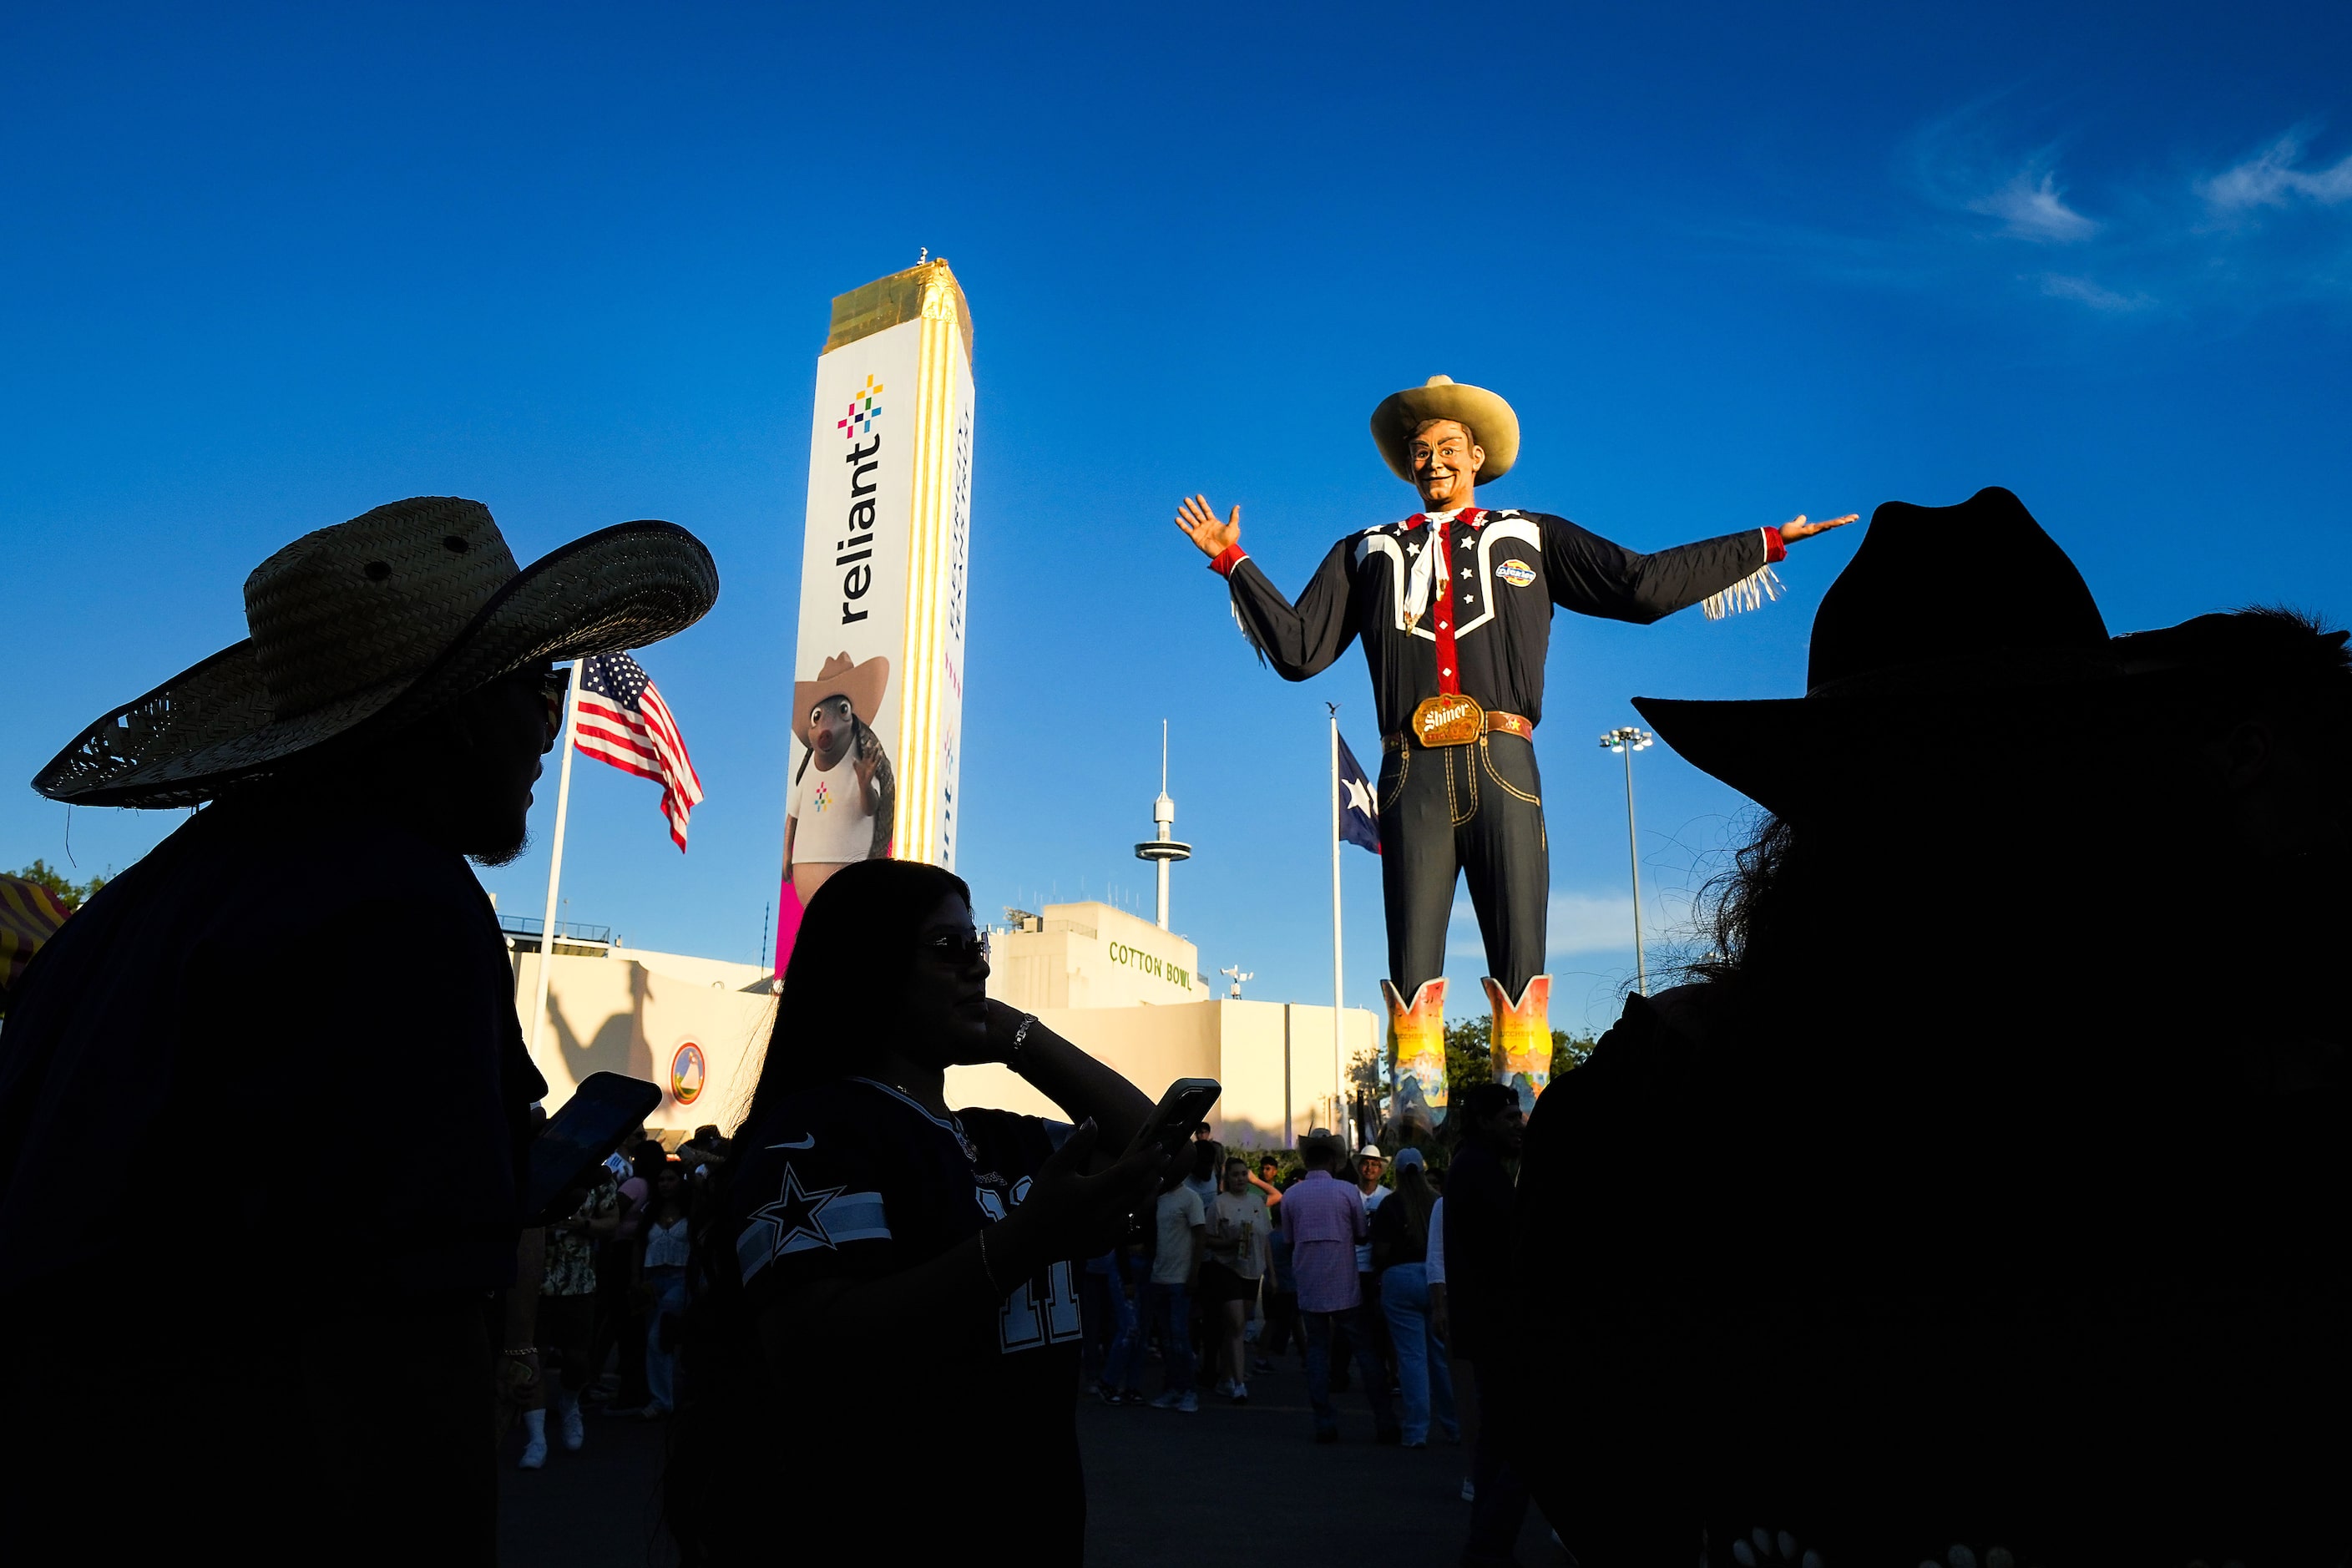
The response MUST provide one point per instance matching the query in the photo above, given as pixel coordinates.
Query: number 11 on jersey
(1027, 1322)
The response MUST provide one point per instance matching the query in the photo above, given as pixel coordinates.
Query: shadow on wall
(619, 1044)
(1243, 1135)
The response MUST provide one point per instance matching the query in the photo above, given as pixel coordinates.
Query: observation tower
(1165, 847)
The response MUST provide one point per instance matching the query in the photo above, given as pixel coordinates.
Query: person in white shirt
(1371, 1167)
(665, 1256)
(1239, 1229)
(1181, 1226)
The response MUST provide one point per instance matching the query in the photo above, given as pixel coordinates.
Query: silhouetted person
(1992, 1187)
(1478, 1272)
(892, 1337)
(312, 946)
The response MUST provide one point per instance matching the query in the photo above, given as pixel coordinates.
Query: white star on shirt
(1412, 550)
(798, 1211)
(1465, 572)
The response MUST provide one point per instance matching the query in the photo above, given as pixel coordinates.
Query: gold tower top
(929, 290)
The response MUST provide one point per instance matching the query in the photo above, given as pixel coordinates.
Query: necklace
(955, 1123)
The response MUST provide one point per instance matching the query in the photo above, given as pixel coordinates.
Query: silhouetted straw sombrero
(1488, 418)
(378, 622)
(1905, 660)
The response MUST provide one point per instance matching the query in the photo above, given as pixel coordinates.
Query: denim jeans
(1166, 1309)
(1422, 1375)
(1320, 1329)
(661, 1365)
(1123, 1366)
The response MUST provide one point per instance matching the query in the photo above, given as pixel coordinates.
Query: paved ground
(1162, 1489)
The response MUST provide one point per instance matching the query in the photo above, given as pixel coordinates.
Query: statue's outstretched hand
(1797, 528)
(1198, 521)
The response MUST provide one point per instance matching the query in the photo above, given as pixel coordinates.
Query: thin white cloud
(2031, 206)
(2271, 179)
(1579, 922)
(2082, 291)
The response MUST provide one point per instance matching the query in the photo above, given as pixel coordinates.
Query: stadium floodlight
(1624, 741)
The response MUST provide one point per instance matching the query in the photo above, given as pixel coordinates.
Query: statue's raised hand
(1797, 528)
(1198, 521)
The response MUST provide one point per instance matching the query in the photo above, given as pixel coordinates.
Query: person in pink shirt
(1325, 1219)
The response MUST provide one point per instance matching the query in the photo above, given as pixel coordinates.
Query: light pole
(1237, 974)
(1625, 739)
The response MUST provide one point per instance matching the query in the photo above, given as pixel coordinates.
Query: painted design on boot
(1521, 1039)
(1417, 1053)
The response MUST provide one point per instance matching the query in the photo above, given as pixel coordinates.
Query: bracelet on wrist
(1020, 1033)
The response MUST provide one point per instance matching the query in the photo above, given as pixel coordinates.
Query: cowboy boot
(1417, 1054)
(1521, 1040)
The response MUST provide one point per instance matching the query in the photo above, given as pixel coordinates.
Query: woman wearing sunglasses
(893, 1335)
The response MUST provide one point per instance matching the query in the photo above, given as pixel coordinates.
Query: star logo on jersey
(797, 1214)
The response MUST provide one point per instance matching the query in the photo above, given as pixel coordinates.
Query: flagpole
(555, 856)
(1338, 983)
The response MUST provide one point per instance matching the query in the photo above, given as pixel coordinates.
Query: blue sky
(264, 269)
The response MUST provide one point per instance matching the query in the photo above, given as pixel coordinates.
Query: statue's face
(1445, 466)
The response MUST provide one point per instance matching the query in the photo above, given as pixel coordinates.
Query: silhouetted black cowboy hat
(1900, 657)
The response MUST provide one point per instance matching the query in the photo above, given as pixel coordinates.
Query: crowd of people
(596, 1315)
(2019, 1238)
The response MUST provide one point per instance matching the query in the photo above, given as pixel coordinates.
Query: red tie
(1449, 669)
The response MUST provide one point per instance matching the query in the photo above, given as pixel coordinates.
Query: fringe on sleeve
(1751, 592)
(1232, 603)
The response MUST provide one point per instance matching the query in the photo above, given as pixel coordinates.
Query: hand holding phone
(570, 1147)
(1184, 1107)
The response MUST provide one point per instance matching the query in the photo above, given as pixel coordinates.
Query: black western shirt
(1463, 602)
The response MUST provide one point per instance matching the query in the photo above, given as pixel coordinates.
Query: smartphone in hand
(589, 1128)
(1184, 1107)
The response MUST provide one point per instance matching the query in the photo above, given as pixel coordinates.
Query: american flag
(623, 720)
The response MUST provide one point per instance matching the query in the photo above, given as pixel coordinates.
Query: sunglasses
(554, 684)
(960, 948)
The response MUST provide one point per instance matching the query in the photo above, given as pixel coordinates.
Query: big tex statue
(1455, 605)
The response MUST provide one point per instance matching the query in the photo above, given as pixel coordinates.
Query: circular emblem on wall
(686, 1071)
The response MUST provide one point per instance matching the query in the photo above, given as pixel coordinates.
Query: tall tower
(1163, 847)
(884, 548)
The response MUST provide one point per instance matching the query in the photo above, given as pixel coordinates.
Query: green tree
(1469, 1056)
(1469, 1059)
(71, 893)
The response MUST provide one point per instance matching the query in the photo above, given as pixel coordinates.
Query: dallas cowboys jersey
(854, 1180)
(1505, 571)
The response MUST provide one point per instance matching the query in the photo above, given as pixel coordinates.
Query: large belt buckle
(1450, 720)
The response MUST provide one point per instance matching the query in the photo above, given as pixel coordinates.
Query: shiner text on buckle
(1452, 720)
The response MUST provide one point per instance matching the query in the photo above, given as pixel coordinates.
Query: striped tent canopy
(29, 915)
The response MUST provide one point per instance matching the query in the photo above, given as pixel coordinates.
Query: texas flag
(1359, 820)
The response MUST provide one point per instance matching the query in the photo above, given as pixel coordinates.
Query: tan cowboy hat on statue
(1492, 425)
(373, 623)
